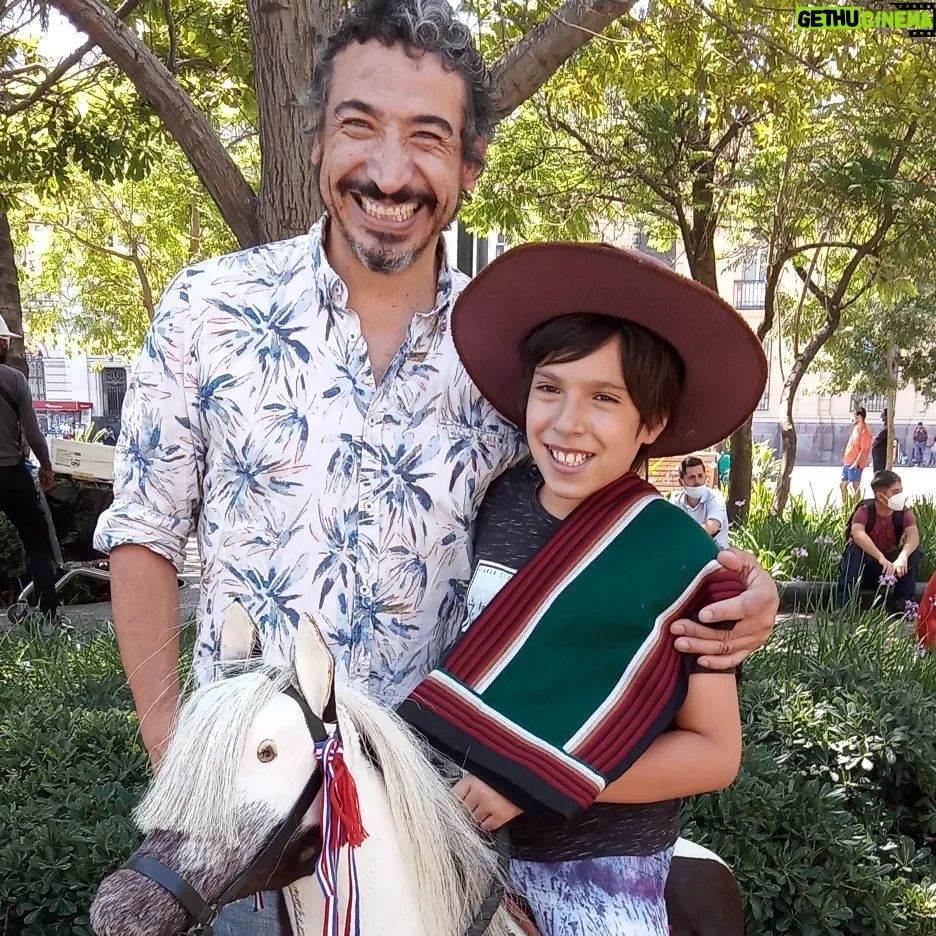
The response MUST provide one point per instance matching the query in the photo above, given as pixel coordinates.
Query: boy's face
(583, 429)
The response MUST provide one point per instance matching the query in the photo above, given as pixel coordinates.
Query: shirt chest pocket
(468, 456)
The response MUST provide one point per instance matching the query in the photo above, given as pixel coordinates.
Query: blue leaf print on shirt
(252, 475)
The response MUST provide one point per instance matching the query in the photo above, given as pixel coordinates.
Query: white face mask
(897, 501)
(694, 490)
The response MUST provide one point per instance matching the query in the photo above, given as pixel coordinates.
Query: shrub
(71, 770)
(830, 825)
(12, 562)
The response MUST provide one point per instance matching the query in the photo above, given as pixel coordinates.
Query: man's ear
(471, 171)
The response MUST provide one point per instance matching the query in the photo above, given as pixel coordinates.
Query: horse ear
(238, 634)
(315, 665)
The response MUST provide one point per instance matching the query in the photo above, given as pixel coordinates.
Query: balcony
(749, 294)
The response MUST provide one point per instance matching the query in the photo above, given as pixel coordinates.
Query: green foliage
(71, 770)
(830, 824)
(12, 561)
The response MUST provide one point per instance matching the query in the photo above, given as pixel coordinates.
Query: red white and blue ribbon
(341, 825)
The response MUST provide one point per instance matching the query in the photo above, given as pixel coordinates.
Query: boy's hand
(489, 808)
(755, 611)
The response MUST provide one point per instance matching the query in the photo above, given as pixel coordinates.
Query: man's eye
(426, 136)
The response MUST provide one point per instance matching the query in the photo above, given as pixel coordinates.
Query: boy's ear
(649, 436)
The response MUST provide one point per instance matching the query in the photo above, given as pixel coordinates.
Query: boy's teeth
(393, 212)
(572, 459)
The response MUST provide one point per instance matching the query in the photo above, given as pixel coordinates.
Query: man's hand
(46, 479)
(755, 611)
(489, 808)
(888, 567)
(900, 566)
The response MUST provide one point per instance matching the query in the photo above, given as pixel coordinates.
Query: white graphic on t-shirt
(488, 579)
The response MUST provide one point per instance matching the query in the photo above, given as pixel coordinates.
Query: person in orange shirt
(857, 454)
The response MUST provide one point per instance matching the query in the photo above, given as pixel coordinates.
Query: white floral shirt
(319, 491)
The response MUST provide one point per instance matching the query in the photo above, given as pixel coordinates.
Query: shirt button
(365, 590)
(352, 336)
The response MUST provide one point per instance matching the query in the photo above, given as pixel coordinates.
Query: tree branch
(189, 127)
(66, 64)
(521, 72)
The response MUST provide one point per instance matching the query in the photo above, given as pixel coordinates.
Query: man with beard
(19, 500)
(306, 398)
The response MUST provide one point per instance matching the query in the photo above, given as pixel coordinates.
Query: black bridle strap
(492, 902)
(196, 906)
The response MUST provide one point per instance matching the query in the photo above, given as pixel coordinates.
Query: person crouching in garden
(883, 547)
(566, 699)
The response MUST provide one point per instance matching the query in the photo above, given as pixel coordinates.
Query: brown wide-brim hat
(725, 366)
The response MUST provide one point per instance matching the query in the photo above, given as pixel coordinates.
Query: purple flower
(910, 610)
(797, 578)
(887, 580)
(827, 541)
(740, 503)
(799, 552)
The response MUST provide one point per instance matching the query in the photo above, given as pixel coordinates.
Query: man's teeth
(392, 212)
(572, 459)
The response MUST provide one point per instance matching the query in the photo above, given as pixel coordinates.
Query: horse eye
(266, 752)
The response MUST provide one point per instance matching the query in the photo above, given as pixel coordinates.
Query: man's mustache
(372, 191)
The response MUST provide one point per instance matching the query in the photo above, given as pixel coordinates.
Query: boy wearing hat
(566, 690)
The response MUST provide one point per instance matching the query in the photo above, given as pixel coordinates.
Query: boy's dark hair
(690, 461)
(420, 26)
(883, 480)
(862, 412)
(653, 371)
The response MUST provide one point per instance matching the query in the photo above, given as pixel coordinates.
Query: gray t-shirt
(16, 409)
(512, 526)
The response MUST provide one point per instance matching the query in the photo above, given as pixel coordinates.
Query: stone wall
(822, 443)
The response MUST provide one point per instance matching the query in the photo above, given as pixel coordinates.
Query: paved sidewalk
(98, 613)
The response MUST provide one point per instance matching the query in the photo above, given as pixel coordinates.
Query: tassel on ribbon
(258, 902)
(341, 825)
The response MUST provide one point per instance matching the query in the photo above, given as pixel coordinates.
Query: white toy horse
(243, 756)
(239, 759)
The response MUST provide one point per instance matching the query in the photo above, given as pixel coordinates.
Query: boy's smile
(583, 428)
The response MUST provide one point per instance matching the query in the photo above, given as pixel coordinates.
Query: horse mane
(454, 866)
(205, 754)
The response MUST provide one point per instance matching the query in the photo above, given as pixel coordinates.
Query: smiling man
(305, 401)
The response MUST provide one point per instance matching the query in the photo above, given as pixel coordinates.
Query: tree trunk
(788, 397)
(11, 307)
(890, 363)
(286, 36)
(742, 464)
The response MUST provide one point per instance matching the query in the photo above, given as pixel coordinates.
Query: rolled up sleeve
(158, 459)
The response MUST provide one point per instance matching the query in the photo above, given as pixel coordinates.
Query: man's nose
(391, 166)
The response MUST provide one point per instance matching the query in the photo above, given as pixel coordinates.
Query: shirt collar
(332, 287)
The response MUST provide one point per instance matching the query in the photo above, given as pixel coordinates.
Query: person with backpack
(19, 499)
(883, 544)
(920, 438)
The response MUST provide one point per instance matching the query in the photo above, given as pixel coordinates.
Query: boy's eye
(547, 388)
(605, 398)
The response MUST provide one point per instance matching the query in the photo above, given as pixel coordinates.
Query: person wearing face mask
(704, 504)
(883, 542)
(19, 500)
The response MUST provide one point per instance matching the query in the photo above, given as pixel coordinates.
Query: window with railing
(750, 290)
(114, 387)
(872, 403)
(37, 384)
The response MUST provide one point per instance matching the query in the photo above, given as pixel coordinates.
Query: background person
(857, 455)
(920, 438)
(879, 447)
(704, 504)
(19, 499)
(883, 544)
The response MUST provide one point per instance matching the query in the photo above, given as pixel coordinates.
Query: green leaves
(829, 825)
